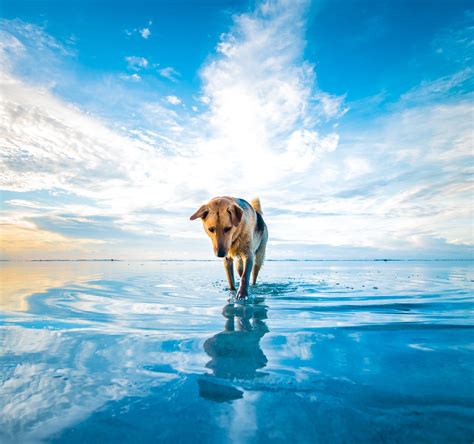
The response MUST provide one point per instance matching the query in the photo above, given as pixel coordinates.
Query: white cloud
(136, 63)
(304, 146)
(132, 77)
(331, 106)
(9, 45)
(173, 100)
(145, 33)
(263, 106)
(169, 73)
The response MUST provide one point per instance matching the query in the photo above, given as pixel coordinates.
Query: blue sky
(351, 120)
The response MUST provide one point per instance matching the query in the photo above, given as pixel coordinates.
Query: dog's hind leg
(259, 258)
(256, 269)
(229, 271)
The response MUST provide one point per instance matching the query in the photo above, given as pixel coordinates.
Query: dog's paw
(242, 294)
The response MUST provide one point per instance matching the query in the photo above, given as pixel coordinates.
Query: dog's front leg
(229, 271)
(243, 291)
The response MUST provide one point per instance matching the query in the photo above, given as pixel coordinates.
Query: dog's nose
(221, 253)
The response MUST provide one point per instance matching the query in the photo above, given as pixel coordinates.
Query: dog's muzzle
(221, 253)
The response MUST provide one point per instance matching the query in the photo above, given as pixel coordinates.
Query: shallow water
(329, 352)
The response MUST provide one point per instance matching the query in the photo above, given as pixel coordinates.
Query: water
(330, 352)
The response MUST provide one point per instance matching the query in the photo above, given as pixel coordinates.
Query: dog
(237, 231)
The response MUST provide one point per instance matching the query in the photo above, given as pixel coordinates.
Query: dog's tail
(256, 205)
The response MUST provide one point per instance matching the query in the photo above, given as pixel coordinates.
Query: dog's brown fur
(237, 231)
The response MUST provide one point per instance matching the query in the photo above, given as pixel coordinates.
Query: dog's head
(220, 218)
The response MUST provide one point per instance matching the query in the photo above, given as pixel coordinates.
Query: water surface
(156, 352)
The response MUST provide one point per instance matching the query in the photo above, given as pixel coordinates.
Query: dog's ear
(202, 212)
(235, 214)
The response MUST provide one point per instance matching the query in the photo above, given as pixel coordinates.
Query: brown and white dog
(237, 231)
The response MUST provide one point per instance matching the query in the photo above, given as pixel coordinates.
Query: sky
(351, 120)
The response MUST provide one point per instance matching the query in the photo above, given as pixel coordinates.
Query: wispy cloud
(458, 82)
(132, 77)
(32, 35)
(455, 43)
(136, 63)
(169, 73)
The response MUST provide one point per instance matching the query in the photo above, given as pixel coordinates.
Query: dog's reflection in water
(235, 352)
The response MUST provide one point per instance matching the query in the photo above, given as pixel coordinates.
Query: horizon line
(267, 260)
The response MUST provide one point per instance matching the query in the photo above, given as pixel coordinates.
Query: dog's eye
(227, 229)
(212, 229)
